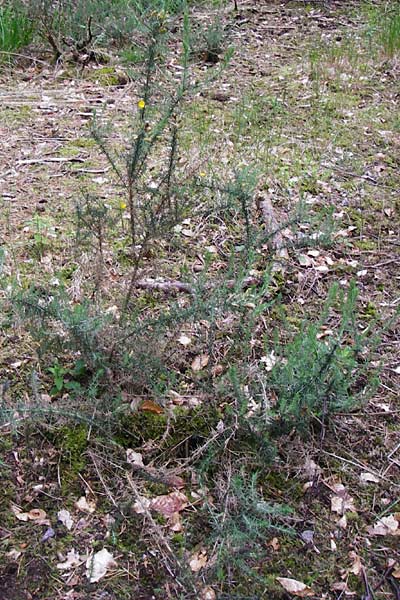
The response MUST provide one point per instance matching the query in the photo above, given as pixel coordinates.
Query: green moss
(72, 443)
(108, 76)
(186, 425)
(365, 244)
(370, 311)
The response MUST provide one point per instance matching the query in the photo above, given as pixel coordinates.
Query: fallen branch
(55, 159)
(173, 286)
(164, 286)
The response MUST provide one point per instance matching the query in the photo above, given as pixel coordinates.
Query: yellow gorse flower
(141, 104)
(122, 205)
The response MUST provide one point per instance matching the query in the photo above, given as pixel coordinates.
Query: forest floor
(309, 102)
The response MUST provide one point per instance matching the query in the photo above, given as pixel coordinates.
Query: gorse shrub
(240, 521)
(84, 24)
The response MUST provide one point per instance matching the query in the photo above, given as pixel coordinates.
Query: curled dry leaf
(356, 567)
(386, 526)
(369, 478)
(134, 458)
(64, 516)
(36, 514)
(169, 504)
(184, 340)
(342, 502)
(73, 560)
(198, 560)
(141, 506)
(200, 362)
(152, 407)
(98, 564)
(274, 543)
(207, 593)
(88, 506)
(297, 588)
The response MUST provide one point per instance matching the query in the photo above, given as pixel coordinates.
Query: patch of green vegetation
(16, 29)
(186, 425)
(108, 76)
(370, 311)
(16, 115)
(72, 442)
(364, 244)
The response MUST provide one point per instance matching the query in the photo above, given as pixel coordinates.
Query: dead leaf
(304, 260)
(200, 362)
(297, 588)
(198, 561)
(311, 469)
(396, 571)
(207, 593)
(14, 554)
(141, 505)
(36, 514)
(21, 516)
(184, 340)
(175, 522)
(73, 560)
(86, 506)
(152, 407)
(369, 477)
(386, 526)
(342, 523)
(342, 501)
(356, 568)
(274, 543)
(134, 458)
(64, 516)
(174, 481)
(169, 504)
(341, 586)
(98, 565)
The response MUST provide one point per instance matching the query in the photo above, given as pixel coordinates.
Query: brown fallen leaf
(207, 593)
(88, 506)
(356, 567)
(73, 559)
(274, 543)
(169, 504)
(198, 561)
(175, 522)
(36, 514)
(342, 502)
(386, 526)
(134, 458)
(369, 478)
(297, 588)
(199, 362)
(98, 564)
(152, 407)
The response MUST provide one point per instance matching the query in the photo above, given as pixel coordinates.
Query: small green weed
(67, 379)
